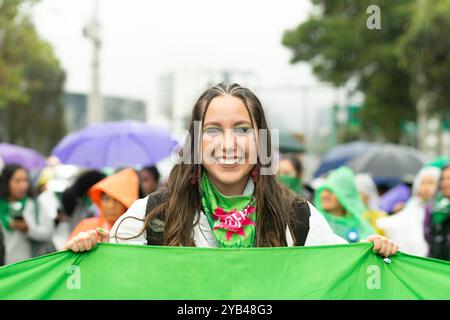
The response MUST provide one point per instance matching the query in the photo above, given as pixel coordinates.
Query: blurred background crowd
(40, 209)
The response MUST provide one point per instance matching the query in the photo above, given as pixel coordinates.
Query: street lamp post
(92, 32)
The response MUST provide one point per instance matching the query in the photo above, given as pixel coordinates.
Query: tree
(341, 49)
(11, 71)
(31, 81)
(424, 51)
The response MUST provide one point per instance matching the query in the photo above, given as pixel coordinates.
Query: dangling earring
(255, 173)
(194, 178)
(199, 175)
(199, 180)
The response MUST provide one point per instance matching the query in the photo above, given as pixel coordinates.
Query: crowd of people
(64, 206)
(417, 218)
(38, 216)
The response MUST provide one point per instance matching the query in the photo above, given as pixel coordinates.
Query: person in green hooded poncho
(341, 205)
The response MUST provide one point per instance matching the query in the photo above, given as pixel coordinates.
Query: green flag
(112, 271)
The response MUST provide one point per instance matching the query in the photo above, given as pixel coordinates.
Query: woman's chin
(229, 177)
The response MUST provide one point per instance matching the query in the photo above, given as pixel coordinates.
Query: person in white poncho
(407, 226)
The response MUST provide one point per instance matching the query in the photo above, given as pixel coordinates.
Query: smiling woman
(227, 198)
(228, 133)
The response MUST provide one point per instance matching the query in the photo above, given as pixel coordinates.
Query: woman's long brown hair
(182, 205)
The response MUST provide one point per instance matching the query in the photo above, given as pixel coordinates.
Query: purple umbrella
(115, 144)
(26, 157)
(398, 194)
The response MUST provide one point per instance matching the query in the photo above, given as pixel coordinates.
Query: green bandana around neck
(232, 218)
(293, 183)
(10, 211)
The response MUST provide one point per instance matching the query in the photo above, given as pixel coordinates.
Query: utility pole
(92, 32)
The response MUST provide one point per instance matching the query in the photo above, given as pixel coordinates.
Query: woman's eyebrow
(242, 122)
(212, 123)
(215, 123)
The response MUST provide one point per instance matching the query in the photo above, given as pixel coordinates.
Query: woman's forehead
(20, 173)
(285, 163)
(428, 178)
(227, 110)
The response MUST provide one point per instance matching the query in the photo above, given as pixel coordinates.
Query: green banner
(141, 272)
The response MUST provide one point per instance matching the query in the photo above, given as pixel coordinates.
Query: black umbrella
(342, 154)
(288, 143)
(389, 163)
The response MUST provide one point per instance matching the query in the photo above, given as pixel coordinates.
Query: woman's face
(445, 183)
(148, 182)
(427, 188)
(228, 144)
(286, 168)
(111, 208)
(329, 201)
(19, 185)
(365, 198)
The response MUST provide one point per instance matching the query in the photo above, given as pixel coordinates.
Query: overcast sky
(142, 38)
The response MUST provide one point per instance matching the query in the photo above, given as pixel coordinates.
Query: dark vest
(2, 248)
(155, 234)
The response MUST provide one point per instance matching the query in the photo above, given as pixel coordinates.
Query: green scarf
(11, 210)
(232, 218)
(441, 210)
(292, 183)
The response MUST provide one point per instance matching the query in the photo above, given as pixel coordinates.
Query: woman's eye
(212, 131)
(242, 130)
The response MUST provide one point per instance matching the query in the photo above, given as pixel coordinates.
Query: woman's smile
(226, 162)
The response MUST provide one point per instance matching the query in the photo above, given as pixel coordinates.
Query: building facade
(178, 90)
(115, 109)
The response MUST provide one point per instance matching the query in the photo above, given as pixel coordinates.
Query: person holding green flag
(223, 192)
(341, 204)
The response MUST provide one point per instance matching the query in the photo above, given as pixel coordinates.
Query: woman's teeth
(228, 161)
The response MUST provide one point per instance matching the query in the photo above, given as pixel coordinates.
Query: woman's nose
(228, 142)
